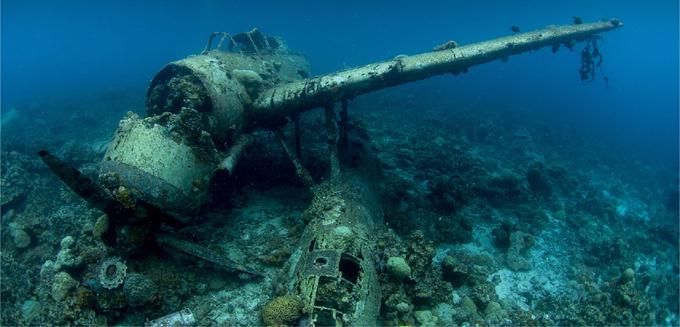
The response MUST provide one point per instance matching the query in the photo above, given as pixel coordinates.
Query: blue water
(79, 47)
(55, 52)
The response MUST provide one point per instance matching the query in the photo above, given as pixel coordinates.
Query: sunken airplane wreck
(158, 169)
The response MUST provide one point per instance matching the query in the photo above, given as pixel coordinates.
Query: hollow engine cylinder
(161, 164)
(221, 86)
(196, 109)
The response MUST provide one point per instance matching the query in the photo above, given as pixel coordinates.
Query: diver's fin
(81, 184)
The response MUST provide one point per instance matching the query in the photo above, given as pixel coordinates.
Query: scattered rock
(520, 243)
(67, 259)
(403, 307)
(398, 267)
(454, 272)
(425, 318)
(138, 289)
(21, 239)
(628, 275)
(48, 268)
(517, 263)
(454, 229)
(538, 183)
(66, 242)
(483, 293)
(100, 226)
(444, 313)
(30, 309)
(501, 235)
(468, 309)
(62, 284)
(494, 313)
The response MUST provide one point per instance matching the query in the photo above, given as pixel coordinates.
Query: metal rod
(208, 44)
(300, 170)
(298, 149)
(344, 124)
(332, 130)
(235, 153)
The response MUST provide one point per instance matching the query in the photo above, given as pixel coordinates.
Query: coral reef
(101, 225)
(138, 289)
(282, 310)
(520, 243)
(19, 236)
(66, 257)
(63, 283)
(543, 218)
(456, 229)
(492, 219)
(30, 310)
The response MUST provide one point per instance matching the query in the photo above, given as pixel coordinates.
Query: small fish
(514, 28)
(577, 20)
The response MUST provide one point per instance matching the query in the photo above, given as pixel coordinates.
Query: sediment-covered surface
(491, 218)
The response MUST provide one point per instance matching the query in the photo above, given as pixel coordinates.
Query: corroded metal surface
(334, 273)
(290, 98)
(332, 270)
(204, 253)
(223, 85)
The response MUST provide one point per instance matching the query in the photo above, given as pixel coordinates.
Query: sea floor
(519, 222)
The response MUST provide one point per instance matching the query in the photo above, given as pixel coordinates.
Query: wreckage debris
(198, 251)
(201, 107)
(182, 318)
